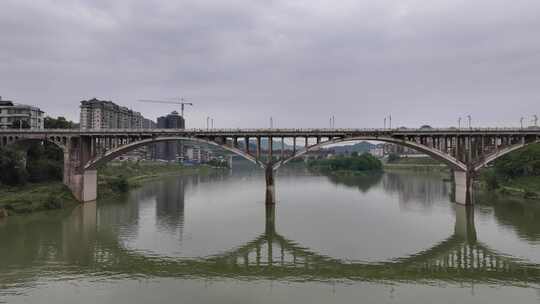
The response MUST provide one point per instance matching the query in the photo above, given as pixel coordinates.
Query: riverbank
(120, 177)
(416, 167)
(114, 179)
(35, 197)
(417, 164)
(523, 186)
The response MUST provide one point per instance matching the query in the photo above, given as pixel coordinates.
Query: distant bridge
(465, 151)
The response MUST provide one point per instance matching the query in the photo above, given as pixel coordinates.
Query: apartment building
(14, 115)
(171, 150)
(101, 114)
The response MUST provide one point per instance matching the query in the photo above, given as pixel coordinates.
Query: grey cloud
(298, 61)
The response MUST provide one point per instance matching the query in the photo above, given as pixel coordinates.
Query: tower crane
(182, 103)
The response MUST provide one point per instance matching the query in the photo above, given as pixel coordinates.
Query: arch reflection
(87, 242)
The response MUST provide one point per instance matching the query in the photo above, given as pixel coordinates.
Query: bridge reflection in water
(88, 242)
(461, 257)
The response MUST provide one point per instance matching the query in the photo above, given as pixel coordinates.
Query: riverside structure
(465, 151)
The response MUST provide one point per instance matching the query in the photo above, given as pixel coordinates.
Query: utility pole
(390, 120)
(459, 123)
(271, 123)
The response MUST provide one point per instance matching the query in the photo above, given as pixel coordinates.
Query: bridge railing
(276, 130)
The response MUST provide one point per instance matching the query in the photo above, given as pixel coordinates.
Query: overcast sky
(240, 62)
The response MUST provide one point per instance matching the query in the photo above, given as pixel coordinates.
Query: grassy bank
(416, 167)
(114, 179)
(35, 197)
(117, 178)
(417, 164)
(522, 186)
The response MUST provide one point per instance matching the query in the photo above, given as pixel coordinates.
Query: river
(389, 238)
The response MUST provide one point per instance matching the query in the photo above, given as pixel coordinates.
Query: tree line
(521, 163)
(33, 162)
(356, 162)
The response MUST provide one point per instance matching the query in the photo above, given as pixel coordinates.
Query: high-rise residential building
(101, 114)
(148, 124)
(14, 115)
(169, 151)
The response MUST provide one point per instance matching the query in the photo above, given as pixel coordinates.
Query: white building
(377, 151)
(198, 155)
(101, 114)
(12, 114)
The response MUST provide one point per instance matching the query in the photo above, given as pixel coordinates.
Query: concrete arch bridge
(465, 151)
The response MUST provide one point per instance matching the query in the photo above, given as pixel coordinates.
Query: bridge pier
(81, 182)
(464, 226)
(270, 186)
(462, 187)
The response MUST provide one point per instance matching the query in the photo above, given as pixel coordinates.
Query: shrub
(490, 179)
(393, 157)
(53, 202)
(12, 166)
(119, 184)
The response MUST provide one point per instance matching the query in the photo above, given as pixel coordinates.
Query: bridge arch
(432, 152)
(502, 152)
(56, 141)
(114, 153)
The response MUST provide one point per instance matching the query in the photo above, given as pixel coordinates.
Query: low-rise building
(197, 154)
(13, 115)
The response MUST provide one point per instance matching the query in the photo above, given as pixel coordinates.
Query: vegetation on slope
(353, 164)
(517, 172)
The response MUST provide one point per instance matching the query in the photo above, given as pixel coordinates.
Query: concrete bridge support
(270, 185)
(81, 182)
(462, 187)
(464, 226)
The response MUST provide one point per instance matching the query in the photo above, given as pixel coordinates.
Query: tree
(12, 166)
(57, 123)
(45, 162)
(393, 157)
(524, 162)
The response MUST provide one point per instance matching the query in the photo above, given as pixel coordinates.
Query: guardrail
(277, 130)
